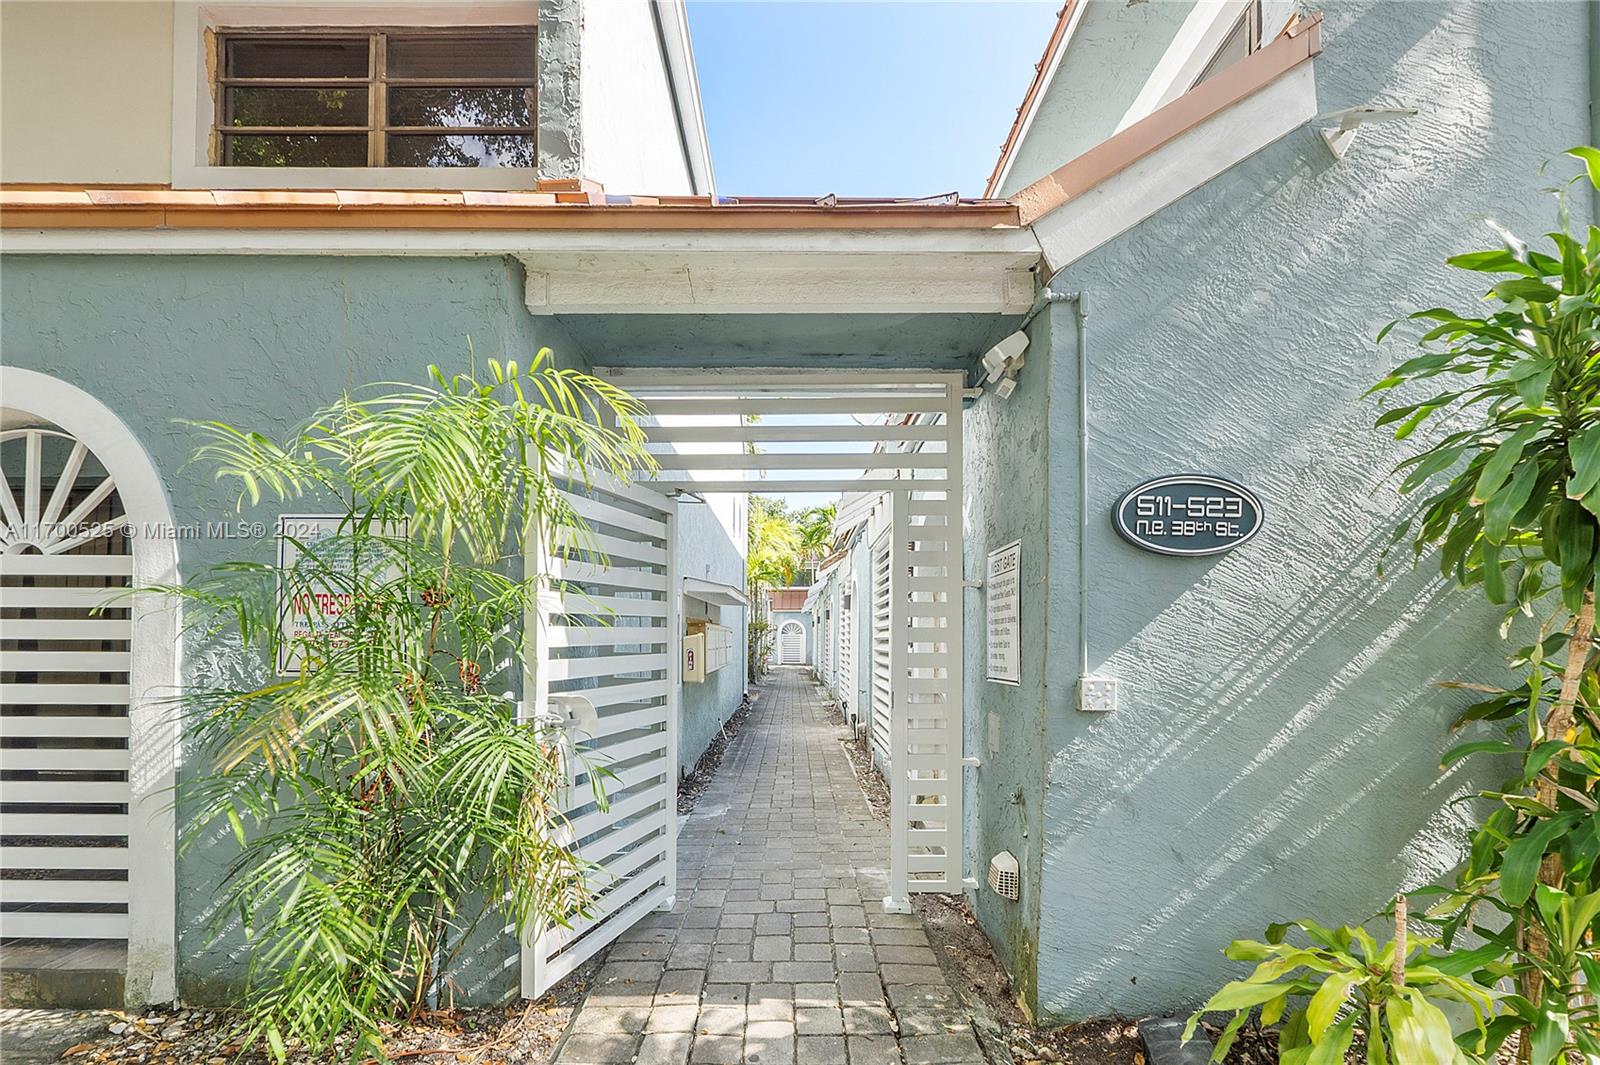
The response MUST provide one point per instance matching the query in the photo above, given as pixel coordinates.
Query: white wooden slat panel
(67, 661)
(576, 955)
(63, 566)
(604, 846)
(607, 755)
(603, 635)
(787, 433)
(603, 665)
(63, 857)
(614, 548)
(63, 825)
(786, 460)
(66, 628)
(613, 576)
(55, 597)
(62, 758)
(619, 694)
(594, 510)
(63, 694)
(611, 724)
(64, 925)
(884, 403)
(614, 607)
(644, 820)
(91, 891)
(626, 807)
(621, 892)
(46, 726)
(774, 487)
(74, 791)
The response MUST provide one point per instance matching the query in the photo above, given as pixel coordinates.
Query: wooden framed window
(400, 97)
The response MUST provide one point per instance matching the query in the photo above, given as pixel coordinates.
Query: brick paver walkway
(778, 950)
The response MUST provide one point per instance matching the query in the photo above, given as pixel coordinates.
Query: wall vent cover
(1004, 877)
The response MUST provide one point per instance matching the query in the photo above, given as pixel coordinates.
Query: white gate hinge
(973, 762)
(972, 584)
(970, 883)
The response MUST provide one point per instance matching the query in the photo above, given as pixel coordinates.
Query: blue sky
(862, 99)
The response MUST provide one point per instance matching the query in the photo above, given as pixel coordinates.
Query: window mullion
(377, 101)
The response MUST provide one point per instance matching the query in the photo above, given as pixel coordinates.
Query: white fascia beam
(718, 271)
(765, 283)
(1171, 172)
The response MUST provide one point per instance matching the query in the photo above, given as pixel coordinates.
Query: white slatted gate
(847, 651)
(609, 633)
(895, 433)
(882, 665)
(64, 693)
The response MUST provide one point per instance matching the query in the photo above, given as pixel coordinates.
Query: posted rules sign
(1003, 586)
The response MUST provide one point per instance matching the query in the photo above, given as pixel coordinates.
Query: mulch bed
(691, 787)
(522, 1034)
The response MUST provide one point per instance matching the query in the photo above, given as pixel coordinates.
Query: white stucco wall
(86, 91)
(630, 130)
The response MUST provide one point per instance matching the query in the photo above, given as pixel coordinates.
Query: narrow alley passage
(778, 950)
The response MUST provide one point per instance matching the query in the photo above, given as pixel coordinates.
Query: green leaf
(1575, 528)
(1584, 451)
(1377, 1052)
(1520, 866)
(1499, 511)
(1325, 1004)
(1505, 456)
(1240, 995)
(1465, 750)
(1590, 158)
(1527, 288)
(1332, 1047)
(1551, 1032)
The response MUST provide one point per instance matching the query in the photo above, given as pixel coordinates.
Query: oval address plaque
(1188, 515)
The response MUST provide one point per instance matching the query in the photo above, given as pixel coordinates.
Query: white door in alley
(791, 643)
(606, 641)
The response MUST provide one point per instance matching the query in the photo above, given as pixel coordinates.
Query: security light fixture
(1005, 356)
(1338, 138)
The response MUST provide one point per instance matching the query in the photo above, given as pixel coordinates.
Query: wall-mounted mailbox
(706, 649)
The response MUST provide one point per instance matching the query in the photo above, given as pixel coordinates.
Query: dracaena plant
(1510, 496)
(384, 797)
(1341, 987)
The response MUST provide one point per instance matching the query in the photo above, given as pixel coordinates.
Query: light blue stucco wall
(1276, 751)
(707, 552)
(1006, 455)
(260, 342)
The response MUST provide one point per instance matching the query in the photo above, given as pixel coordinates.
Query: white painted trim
(714, 592)
(706, 283)
(153, 679)
(1176, 169)
(1186, 58)
(192, 104)
(1038, 99)
(672, 22)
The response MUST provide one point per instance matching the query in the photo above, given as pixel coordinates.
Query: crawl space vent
(1004, 879)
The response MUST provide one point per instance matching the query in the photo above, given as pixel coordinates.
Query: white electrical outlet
(1097, 695)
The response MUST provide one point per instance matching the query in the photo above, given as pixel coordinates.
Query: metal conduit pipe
(1080, 303)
